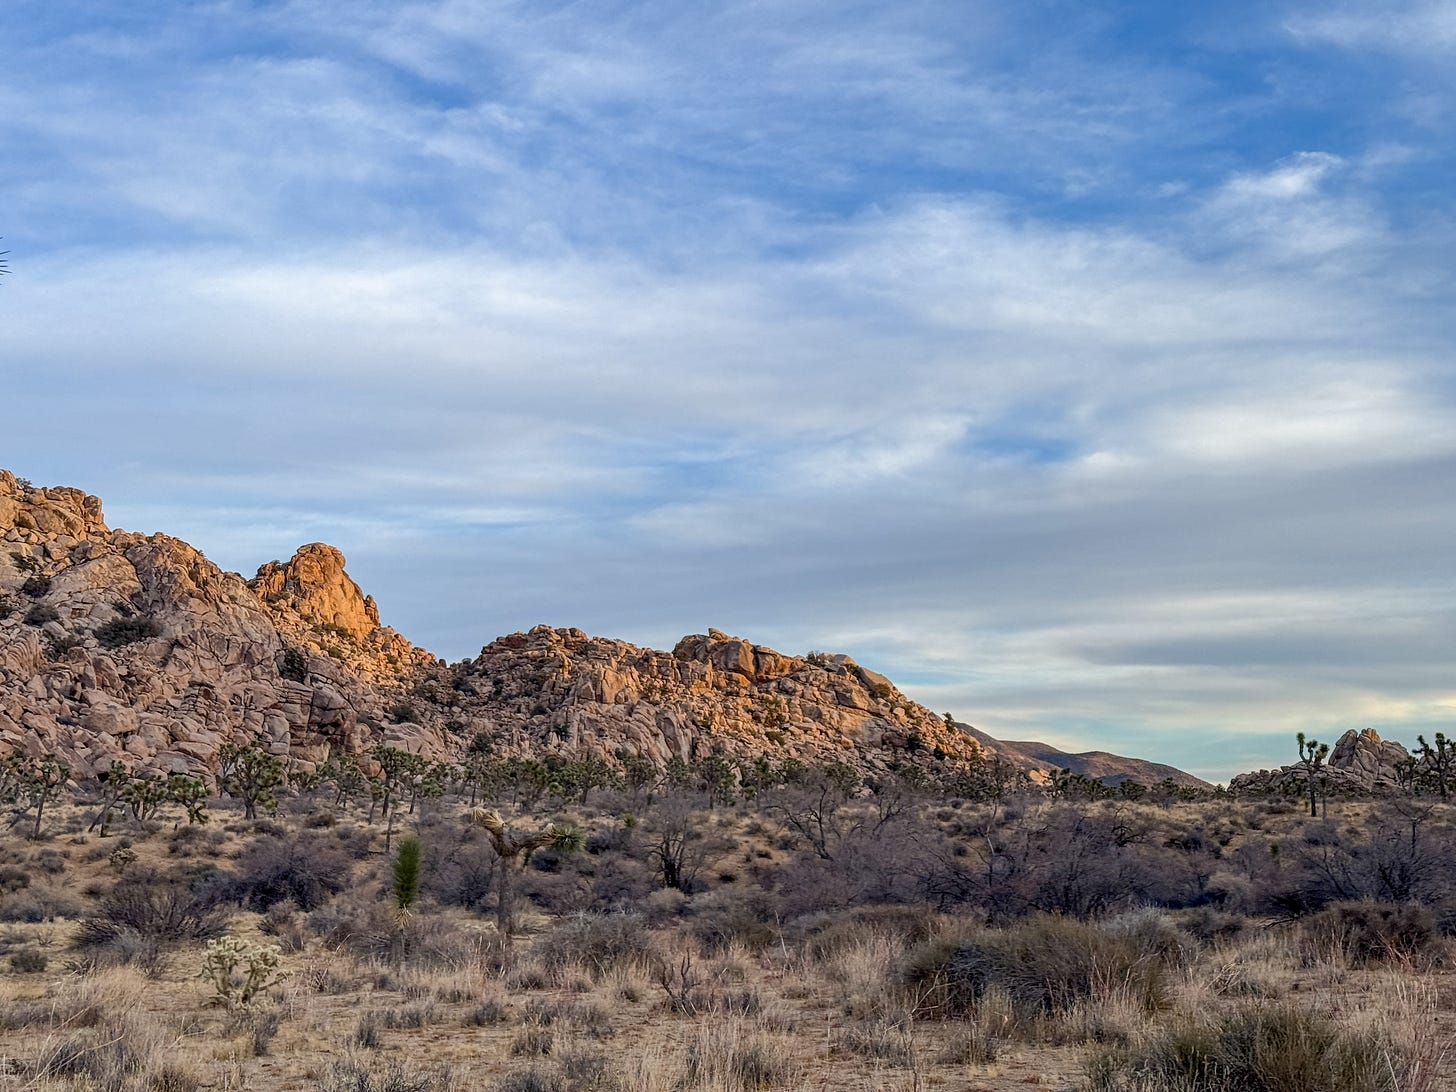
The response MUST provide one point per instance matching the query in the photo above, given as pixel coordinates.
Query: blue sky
(1086, 367)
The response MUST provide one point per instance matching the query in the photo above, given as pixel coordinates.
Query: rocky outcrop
(121, 646)
(315, 605)
(560, 690)
(1361, 763)
(314, 585)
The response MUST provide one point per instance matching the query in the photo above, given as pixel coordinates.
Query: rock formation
(121, 646)
(1361, 763)
(560, 690)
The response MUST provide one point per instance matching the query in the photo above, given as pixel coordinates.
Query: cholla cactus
(239, 971)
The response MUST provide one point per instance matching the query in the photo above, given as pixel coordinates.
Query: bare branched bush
(305, 869)
(150, 905)
(597, 944)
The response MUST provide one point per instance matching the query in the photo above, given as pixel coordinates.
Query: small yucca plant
(406, 873)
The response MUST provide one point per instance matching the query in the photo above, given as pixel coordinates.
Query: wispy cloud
(1091, 371)
(1426, 27)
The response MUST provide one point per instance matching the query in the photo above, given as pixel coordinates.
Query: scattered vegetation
(713, 925)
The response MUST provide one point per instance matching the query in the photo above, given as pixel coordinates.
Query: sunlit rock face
(313, 583)
(563, 690)
(129, 647)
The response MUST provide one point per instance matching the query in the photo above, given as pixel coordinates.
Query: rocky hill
(1097, 765)
(121, 646)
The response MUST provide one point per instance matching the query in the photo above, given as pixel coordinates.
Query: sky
(1086, 368)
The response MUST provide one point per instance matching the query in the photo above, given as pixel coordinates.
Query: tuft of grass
(1366, 933)
(366, 1032)
(1044, 965)
(1263, 1048)
(533, 1040)
(597, 944)
(733, 1057)
(352, 1075)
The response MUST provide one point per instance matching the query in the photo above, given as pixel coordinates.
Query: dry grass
(871, 999)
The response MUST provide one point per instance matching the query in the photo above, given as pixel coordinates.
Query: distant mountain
(120, 646)
(1099, 765)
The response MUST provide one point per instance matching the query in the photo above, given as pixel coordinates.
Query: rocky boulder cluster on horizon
(1360, 763)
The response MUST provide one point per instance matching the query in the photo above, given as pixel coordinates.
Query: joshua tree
(399, 771)
(1312, 754)
(38, 782)
(1440, 762)
(250, 774)
(513, 849)
(191, 793)
(112, 783)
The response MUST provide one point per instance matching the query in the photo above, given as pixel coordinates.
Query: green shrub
(406, 872)
(292, 665)
(56, 647)
(36, 586)
(127, 631)
(25, 563)
(40, 614)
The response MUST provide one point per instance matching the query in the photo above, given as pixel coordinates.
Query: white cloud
(1425, 27)
(1300, 176)
(769, 318)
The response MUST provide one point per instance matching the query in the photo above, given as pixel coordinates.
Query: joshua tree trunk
(1313, 754)
(513, 849)
(507, 870)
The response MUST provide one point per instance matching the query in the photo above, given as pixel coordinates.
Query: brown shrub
(1375, 932)
(154, 907)
(597, 944)
(1044, 965)
(1267, 1048)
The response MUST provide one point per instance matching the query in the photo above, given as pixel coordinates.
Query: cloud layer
(1092, 376)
